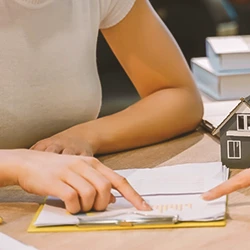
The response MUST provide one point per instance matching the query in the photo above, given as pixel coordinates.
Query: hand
(83, 183)
(68, 142)
(238, 181)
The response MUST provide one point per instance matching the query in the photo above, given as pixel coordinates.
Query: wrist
(9, 167)
(86, 132)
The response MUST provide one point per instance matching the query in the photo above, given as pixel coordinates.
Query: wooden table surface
(17, 208)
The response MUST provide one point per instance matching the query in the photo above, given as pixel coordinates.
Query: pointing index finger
(121, 185)
(237, 182)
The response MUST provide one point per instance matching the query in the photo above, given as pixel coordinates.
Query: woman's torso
(48, 73)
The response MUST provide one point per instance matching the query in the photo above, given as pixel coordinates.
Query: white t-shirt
(48, 73)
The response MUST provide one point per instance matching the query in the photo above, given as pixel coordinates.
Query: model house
(235, 136)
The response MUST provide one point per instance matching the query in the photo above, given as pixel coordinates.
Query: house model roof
(245, 100)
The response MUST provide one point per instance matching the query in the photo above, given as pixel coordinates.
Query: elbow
(196, 117)
(195, 111)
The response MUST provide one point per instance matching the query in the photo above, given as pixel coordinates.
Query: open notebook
(216, 112)
(174, 193)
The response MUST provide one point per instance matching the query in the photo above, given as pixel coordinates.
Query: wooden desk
(17, 208)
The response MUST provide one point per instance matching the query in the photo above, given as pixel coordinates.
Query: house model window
(243, 122)
(233, 149)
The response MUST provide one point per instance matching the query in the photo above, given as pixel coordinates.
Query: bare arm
(8, 175)
(170, 104)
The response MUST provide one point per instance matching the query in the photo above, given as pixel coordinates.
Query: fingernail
(146, 206)
(113, 199)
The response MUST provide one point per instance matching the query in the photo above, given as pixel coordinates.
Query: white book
(173, 191)
(228, 52)
(229, 85)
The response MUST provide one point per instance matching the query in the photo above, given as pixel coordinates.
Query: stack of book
(224, 74)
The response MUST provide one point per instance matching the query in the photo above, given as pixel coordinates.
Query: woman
(51, 95)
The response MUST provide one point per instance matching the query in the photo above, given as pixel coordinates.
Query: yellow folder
(151, 184)
(33, 229)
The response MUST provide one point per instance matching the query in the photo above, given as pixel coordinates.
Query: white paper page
(8, 243)
(186, 207)
(126, 172)
(179, 179)
(216, 112)
(215, 121)
(221, 108)
(54, 213)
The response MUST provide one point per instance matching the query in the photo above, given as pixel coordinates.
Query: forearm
(8, 168)
(157, 117)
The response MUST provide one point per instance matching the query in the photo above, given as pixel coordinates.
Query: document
(172, 191)
(216, 112)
